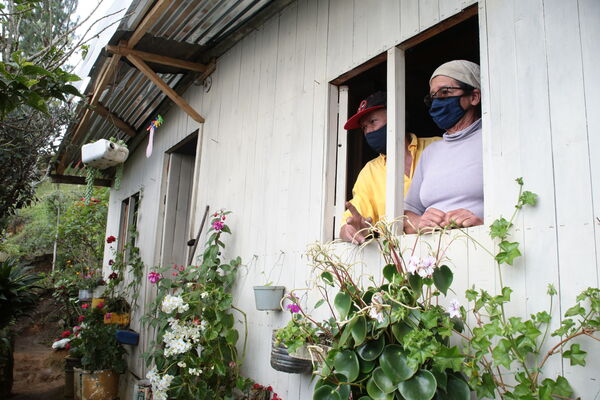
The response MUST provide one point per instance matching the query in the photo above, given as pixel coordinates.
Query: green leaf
(382, 380)
(400, 330)
(346, 363)
(442, 278)
(326, 393)
(70, 89)
(499, 229)
(366, 366)
(560, 388)
(375, 393)
(34, 100)
(457, 389)
(575, 310)
(394, 363)
(441, 378)
(359, 330)
(510, 251)
(519, 181)
(370, 350)
(576, 355)
(501, 353)
(342, 303)
(421, 386)
(327, 278)
(528, 198)
(389, 271)
(415, 282)
(35, 70)
(319, 303)
(449, 358)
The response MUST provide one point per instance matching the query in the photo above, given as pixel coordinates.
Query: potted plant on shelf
(101, 356)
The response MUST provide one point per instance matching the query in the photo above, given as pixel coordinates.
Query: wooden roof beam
(148, 21)
(166, 89)
(114, 119)
(157, 58)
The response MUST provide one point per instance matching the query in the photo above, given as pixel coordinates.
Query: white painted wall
(264, 144)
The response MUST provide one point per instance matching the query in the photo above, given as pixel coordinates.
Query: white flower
(454, 309)
(376, 315)
(160, 385)
(413, 264)
(199, 350)
(181, 364)
(204, 295)
(195, 371)
(172, 303)
(425, 271)
(180, 338)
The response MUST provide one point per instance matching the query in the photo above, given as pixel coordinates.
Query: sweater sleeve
(412, 201)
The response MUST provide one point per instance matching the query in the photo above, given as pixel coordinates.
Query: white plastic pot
(103, 154)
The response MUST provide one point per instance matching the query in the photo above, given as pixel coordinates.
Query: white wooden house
(255, 129)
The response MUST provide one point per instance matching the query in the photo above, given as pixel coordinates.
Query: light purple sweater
(449, 175)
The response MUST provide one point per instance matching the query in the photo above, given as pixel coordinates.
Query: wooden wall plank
(409, 18)
(449, 7)
(429, 13)
(339, 38)
(574, 210)
(589, 15)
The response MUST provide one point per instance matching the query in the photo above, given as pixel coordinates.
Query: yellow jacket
(368, 193)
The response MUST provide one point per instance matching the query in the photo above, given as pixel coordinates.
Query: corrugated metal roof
(186, 30)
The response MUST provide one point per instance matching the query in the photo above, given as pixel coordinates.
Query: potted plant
(260, 392)
(117, 311)
(101, 356)
(268, 297)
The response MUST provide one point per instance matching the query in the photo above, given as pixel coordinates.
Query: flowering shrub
(392, 339)
(194, 355)
(95, 342)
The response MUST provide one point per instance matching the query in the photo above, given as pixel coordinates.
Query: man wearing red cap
(368, 194)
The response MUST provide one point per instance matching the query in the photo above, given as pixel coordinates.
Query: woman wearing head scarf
(447, 187)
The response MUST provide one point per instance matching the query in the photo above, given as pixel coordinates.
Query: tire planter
(268, 298)
(282, 361)
(96, 385)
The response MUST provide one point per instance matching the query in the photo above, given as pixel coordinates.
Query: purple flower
(217, 225)
(154, 277)
(294, 308)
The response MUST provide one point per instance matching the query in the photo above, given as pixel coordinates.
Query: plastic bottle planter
(127, 337)
(268, 298)
(103, 154)
(116, 318)
(282, 361)
(85, 295)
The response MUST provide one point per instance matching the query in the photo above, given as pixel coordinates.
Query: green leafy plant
(17, 291)
(393, 337)
(195, 355)
(95, 342)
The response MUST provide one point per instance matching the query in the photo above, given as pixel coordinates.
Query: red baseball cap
(374, 102)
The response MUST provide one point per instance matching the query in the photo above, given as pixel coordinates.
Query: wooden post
(394, 199)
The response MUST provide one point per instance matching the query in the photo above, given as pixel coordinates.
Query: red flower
(80, 318)
(110, 239)
(111, 262)
(113, 276)
(100, 305)
(68, 346)
(85, 306)
(269, 388)
(65, 334)
(257, 386)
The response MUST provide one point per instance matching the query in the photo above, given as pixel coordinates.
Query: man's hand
(356, 227)
(461, 218)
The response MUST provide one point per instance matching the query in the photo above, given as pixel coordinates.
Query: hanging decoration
(153, 125)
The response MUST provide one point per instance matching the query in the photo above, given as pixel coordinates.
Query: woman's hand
(461, 218)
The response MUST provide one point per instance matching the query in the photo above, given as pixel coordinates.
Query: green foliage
(195, 349)
(406, 352)
(96, 344)
(17, 291)
(297, 333)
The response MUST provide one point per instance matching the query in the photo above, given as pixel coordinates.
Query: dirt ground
(38, 370)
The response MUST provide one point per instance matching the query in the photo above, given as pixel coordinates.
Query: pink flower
(232, 364)
(108, 316)
(85, 306)
(68, 346)
(174, 273)
(110, 239)
(100, 305)
(454, 309)
(217, 225)
(294, 308)
(81, 317)
(154, 277)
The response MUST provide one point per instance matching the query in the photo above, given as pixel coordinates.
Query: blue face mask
(377, 140)
(446, 111)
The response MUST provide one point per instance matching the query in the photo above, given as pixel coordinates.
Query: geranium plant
(393, 337)
(194, 355)
(95, 342)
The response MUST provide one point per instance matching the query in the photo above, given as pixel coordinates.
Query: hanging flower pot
(268, 298)
(103, 154)
(116, 318)
(282, 361)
